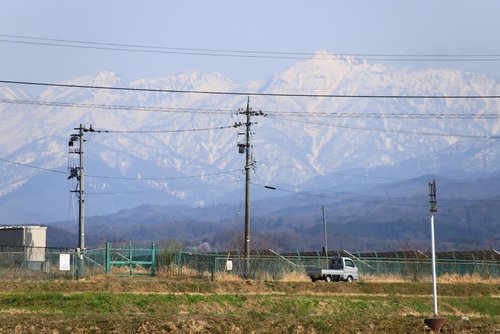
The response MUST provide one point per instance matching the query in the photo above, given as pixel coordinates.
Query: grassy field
(195, 305)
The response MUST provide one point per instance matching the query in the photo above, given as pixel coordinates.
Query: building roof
(22, 227)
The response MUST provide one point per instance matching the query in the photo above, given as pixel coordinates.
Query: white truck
(340, 269)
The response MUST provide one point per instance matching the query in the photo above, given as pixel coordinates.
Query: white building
(31, 239)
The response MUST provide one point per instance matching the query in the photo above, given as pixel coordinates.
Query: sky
(388, 27)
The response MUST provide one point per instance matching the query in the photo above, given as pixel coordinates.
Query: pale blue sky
(366, 26)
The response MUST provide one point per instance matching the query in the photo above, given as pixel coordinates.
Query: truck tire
(328, 278)
(349, 279)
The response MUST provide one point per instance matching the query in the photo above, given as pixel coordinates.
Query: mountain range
(338, 125)
(381, 218)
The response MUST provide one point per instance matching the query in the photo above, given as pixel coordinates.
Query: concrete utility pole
(79, 174)
(325, 238)
(248, 163)
(246, 148)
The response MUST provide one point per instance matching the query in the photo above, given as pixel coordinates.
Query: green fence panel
(44, 263)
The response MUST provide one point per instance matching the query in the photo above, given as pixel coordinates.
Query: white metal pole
(434, 283)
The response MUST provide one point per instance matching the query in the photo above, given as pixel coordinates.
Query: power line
(33, 167)
(123, 178)
(170, 131)
(349, 197)
(407, 132)
(383, 200)
(218, 111)
(383, 115)
(118, 107)
(68, 43)
(199, 186)
(344, 174)
(333, 173)
(162, 178)
(183, 91)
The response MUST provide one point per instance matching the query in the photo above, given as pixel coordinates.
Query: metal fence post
(153, 259)
(107, 264)
(130, 257)
(398, 265)
(214, 266)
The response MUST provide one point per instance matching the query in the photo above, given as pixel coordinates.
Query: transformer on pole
(78, 173)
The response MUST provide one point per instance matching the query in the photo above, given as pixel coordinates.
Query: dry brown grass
(302, 277)
(288, 277)
(227, 277)
(468, 278)
(184, 272)
(294, 277)
(387, 278)
(446, 278)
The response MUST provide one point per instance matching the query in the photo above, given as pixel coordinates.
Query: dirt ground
(196, 305)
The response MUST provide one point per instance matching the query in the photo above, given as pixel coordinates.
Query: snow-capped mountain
(299, 140)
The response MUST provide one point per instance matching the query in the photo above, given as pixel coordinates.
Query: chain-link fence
(37, 263)
(53, 263)
(408, 265)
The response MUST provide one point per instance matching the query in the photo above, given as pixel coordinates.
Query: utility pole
(79, 174)
(325, 238)
(246, 148)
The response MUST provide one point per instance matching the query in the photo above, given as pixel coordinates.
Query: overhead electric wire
(205, 185)
(406, 132)
(383, 115)
(218, 111)
(123, 178)
(123, 192)
(208, 92)
(352, 197)
(118, 107)
(383, 200)
(162, 177)
(33, 167)
(79, 44)
(332, 173)
(169, 131)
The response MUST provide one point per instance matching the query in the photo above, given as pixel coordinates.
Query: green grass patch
(489, 306)
(320, 308)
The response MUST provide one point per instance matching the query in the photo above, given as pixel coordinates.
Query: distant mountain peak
(306, 138)
(105, 78)
(344, 59)
(189, 80)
